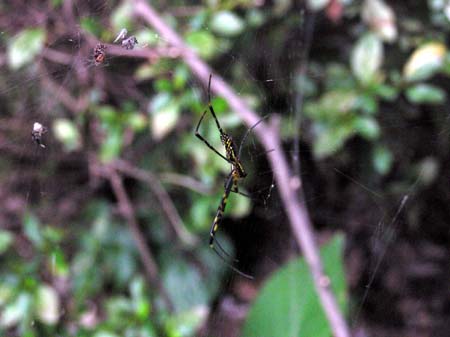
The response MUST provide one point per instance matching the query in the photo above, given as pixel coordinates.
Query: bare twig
(57, 56)
(185, 181)
(151, 54)
(127, 211)
(288, 186)
(163, 197)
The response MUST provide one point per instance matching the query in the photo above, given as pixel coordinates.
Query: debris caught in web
(122, 35)
(36, 134)
(127, 43)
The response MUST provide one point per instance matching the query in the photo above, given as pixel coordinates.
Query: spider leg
(235, 188)
(198, 135)
(215, 245)
(233, 267)
(241, 193)
(247, 133)
(211, 109)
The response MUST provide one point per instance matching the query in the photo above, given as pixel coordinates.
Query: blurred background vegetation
(104, 232)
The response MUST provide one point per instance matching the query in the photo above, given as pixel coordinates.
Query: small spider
(129, 43)
(36, 134)
(99, 54)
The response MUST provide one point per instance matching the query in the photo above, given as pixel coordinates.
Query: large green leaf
(47, 305)
(382, 159)
(423, 93)
(330, 140)
(25, 46)
(66, 131)
(203, 43)
(425, 61)
(367, 56)
(227, 23)
(6, 239)
(288, 305)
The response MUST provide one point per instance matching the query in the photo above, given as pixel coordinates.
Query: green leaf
(227, 23)
(425, 93)
(165, 112)
(108, 115)
(428, 169)
(332, 106)
(186, 323)
(387, 92)
(203, 43)
(380, 18)
(67, 133)
(47, 305)
(367, 103)
(15, 311)
(366, 58)
(305, 85)
(288, 304)
(33, 230)
(163, 85)
(201, 212)
(255, 18)
(184, 285)
(137, 121)
(112, 144)
(25, 46)
(367, 127)
(330, 140)
(6, 293)
(56, 3)
(239, 205)
(6, 239)
(91, 25)
(180, 77)
(317, 5)
(122, 16)
(424, 61)
(382, 160)
(58, 263)
(446, 63)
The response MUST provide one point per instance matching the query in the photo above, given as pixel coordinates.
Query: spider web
(38, 186)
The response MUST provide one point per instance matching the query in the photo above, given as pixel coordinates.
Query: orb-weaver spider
(232, 155)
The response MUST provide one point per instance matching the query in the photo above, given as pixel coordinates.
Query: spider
(36, 134)
(127, 43)
(232, 155)
(99, 54)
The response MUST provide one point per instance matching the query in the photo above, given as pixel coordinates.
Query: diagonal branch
(163, 197)
(289, 186)
(127, 211)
